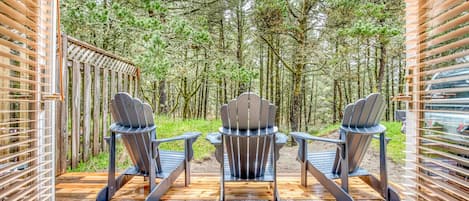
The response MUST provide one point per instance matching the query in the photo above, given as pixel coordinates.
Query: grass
(100, 162)
(169, 127)
(328, 129)
(396, 147)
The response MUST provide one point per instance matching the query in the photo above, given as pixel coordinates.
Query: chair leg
(187, 165)
(344, 166)
(274, 165)
(304, 174)
(304, 162)
(383, 173)
(222, 169)
(275, 193)
(152, 176)
(111, 182)
(393, 195)
(376, 184)
(187, 175)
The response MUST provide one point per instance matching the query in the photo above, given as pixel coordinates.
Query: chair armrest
(189, 138)
(305, 136)
(108, 138)
(386, 139)
(185, 136)
(280, 141)
(281, 138)
(214, 138)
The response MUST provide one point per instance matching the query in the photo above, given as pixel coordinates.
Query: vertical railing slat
(126, 82)
(96, 109)
(113, 83)
(105, 106)
(63, 131)
(76, 86)
(119, 81)
(136, 87)
(86, 111)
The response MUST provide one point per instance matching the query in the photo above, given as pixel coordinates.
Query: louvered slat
(437, 42)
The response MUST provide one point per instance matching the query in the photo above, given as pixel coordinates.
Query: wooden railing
(90, 77)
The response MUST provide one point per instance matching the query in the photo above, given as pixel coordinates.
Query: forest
(310, 58)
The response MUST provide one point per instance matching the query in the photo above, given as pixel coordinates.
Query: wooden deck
(85, 186)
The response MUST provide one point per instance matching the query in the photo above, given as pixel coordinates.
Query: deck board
(85, 186)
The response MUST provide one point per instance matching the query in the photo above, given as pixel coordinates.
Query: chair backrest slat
(364, 113)
(248, 154)
(132, 113)
(248, 112)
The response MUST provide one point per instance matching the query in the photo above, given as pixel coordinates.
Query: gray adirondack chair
(359, 125)
(134, 124)
(251, 140)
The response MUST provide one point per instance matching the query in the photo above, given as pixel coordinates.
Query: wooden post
(105, 105)
(62, 164)
(125, 78)
(136, 81)
(87, 112)
(96, 109)
(113, 83)
(131, 84)
(119, 81)
(75, 111)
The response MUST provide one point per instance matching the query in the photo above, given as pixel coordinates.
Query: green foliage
(243, 75)
(367, 19)
(269, 14)
(140, 30)
(192, 47)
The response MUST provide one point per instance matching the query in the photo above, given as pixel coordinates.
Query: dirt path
(288, 164)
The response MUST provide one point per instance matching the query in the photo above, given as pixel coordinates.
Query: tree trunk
(382, 65)
(334, 103)
(393, 91)
(154, 97)
(299, 64)
(296, 102)
(359, 86)
(261, 70)
(239, 51)
(268, 74)
(370, 74)
(278, 96)
(388, 108)
(162, 106)
(206, 86)
(401, 81)
(339, 109)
